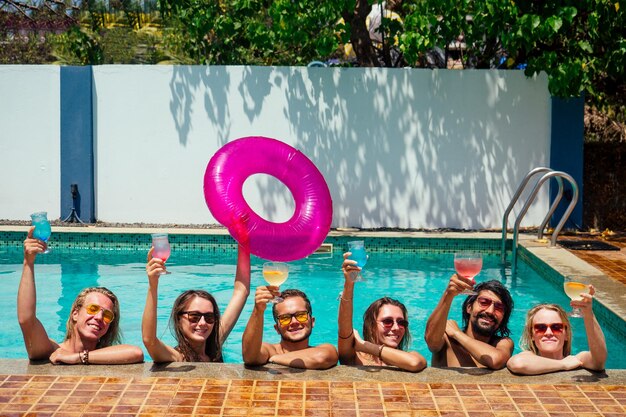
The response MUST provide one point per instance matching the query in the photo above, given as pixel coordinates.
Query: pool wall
(406, 148)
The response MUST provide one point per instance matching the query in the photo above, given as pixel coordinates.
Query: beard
(485, 330)
(285, 336)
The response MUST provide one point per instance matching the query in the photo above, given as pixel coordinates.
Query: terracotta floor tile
(208, 410)
(289, 412)
(317, 413)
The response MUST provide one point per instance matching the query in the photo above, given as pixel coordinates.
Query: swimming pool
(416, 275)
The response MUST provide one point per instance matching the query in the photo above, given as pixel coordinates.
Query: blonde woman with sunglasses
(385, 330)
(92, 335)
(547, 340)
(196, 322)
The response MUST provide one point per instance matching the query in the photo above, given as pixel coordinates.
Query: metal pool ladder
(548, 173)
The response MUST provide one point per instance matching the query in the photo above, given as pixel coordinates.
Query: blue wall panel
(566, 154)
(77, 156)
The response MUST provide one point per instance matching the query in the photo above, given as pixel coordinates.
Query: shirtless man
(294, 322)
(484, 340)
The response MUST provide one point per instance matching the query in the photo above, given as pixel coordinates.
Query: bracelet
(348, 336)
(380, 350)
(84, 357)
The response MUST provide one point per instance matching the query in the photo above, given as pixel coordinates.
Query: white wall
(30, 146)
(398, 147)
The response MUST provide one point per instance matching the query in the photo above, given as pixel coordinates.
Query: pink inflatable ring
(294, 239)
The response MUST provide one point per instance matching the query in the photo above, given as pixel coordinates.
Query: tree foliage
(580, 44)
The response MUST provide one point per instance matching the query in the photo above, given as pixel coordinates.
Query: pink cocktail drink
(468, 267)
(162, 253)
(161, 247)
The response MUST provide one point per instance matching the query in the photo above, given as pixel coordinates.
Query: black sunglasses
(195, 316)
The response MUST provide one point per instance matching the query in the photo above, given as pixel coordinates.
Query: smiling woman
(548, 339)
(385, 330)
(92, 332)
(199, 328)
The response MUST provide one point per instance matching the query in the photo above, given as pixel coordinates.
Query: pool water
(416, 278)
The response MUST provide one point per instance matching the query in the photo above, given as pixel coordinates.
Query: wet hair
(370, 324)
(294, 293)
(500, 290)
(213, 348)
(113, 336)
(526, 341)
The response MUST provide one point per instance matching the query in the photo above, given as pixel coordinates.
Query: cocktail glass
(162, 249)
(358, 254)
(275, 273)
(468, 265)
(573, 287)
(42, 227)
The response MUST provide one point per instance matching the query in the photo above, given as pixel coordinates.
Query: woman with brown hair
(385, 330)
(198, 326)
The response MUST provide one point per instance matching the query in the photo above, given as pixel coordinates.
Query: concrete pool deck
(201, 389)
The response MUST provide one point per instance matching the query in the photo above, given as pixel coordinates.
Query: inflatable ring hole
(276, 201)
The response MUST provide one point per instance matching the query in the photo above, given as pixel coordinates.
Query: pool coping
(337, 373)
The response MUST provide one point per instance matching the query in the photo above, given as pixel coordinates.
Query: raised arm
(493, 357)
(159, 351)
(345, 343)
(240, 293)
(436, 324)
(254, 351)
(38, 344)
(323, 356)
(595, 358)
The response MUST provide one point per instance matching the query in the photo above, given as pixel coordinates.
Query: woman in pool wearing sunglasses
(199, 328)
(93, 333)
(547, 340)
(385, 330)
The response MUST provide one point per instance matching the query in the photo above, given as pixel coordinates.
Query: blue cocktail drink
(358, 254)
(42, 227)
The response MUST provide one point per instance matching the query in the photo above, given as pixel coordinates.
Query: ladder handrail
(553, 207)
(530, 200)
(516, 196)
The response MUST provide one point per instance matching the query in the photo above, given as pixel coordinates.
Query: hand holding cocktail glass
(42, 227)
(578, 290)
(161, 249)
(275, 273)
(356, 248)
(468, 265)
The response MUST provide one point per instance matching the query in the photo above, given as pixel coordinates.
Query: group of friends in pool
(200, 329)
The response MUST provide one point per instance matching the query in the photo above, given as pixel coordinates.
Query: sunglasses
(93, 309)
(195, 316)
(285, 319)
(388, 322)
(485, 302)
(541, 328)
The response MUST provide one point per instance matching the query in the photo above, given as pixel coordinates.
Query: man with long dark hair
(484, 340)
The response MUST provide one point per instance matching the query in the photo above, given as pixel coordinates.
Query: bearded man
(484, 340)
(294, 323)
